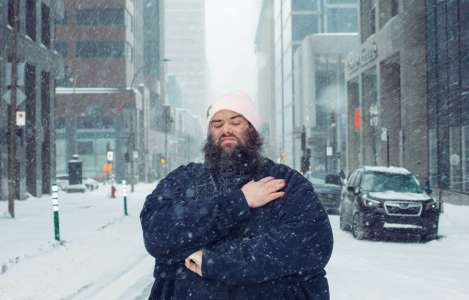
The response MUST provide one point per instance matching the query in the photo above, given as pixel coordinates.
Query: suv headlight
(432, 204)
(368, 202)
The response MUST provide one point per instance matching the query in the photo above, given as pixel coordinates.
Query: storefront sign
(368, 54)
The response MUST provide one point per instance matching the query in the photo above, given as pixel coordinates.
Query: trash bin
(75, 179)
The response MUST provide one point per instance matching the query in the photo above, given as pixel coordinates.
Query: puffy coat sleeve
(175, 225)
(299, 243)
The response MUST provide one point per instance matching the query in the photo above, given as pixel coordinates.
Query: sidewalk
(452, 197)
(98, 241)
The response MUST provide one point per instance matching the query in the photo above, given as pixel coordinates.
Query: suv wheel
(358, 229)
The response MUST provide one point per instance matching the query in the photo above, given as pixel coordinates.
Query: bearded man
(237, 226)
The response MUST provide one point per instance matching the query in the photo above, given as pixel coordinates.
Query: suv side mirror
(354, 189)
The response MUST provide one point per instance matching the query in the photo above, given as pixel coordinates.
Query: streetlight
(131, 143)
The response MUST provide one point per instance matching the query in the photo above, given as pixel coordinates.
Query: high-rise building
(292, 21)
(40, 65)
(111, 73)
(184, 51)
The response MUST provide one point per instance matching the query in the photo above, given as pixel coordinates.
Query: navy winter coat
(277, 251)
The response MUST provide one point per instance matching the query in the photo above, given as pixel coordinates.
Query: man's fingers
(274, 196)
(191, 265)
(266, 179)
(275, 185)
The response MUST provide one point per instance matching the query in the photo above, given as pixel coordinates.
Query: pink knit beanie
(239, 102)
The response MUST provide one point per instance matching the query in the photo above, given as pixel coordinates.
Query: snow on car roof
(394, 170)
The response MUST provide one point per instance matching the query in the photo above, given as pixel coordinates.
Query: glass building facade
(448, 93)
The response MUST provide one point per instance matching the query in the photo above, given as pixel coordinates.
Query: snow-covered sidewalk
(99, 245)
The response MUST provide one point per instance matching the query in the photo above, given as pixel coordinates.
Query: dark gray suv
(387, 199)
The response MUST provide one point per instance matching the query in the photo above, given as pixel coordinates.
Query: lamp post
(131, 143)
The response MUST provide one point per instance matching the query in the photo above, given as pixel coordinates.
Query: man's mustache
(225, 137)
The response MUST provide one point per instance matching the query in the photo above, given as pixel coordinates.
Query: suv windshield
(382, 182)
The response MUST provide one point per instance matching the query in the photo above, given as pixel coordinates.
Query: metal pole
(387, 146)
(131, 153)
(55, 207)
(166, 147)
(124, 193)
(325, 161)
(12, 125)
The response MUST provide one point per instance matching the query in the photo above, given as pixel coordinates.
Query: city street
(371, 93)
(102, 255)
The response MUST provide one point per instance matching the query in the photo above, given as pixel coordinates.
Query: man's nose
(227, 130)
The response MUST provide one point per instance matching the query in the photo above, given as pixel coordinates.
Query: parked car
(90, 183)
(378, 200)
(328, 188)
(63, 183)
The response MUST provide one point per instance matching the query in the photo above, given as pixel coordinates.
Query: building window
(368, 20)
(45, 25)
(11, 12)
(61, 48)
(85, 148)
(105, 17)
(87, 49)
(302, 25)
(87, 17)
(394, 8)
(111, 49)
(387, 9)
(115, 49)
(31, 19)
(111, 17)
(342, 20)
(304, 5)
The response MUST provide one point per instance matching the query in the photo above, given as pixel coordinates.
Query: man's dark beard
(240, 160)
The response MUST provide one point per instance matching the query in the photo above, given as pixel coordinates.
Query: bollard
(55, 207)
(113, 188)
(124, 193)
